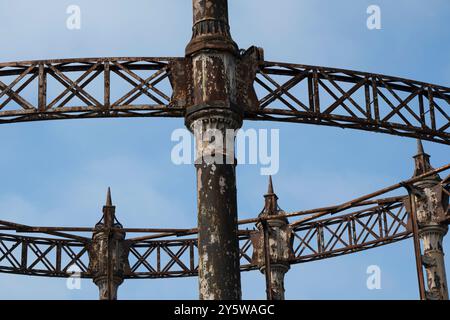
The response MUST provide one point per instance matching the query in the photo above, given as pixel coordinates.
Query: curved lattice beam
(361, 230)
(360, 224)
(352, 99)
(375, 226)
(85, 88)
(143, 87)
(43, 256)
(372, 227)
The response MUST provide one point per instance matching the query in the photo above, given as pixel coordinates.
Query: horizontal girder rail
(141, 87)
(363, 229)
(360, 224)
(85, 88)
(325, 238)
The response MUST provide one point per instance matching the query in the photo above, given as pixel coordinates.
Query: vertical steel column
(213, 112)
(430, 207)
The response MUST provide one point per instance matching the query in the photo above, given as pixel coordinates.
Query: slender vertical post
(107, 84)
(417, 249)
(211, 116)
(429, 209)
(42, 84)
(267, 262)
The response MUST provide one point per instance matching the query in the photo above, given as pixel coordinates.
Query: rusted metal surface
(360, 224)
(69, 89)
(272, 246)
(352, 99)
(177, 257)
(417, 248)
(65, 249)
(270, 91)
(211, 30)
(214, 108)
(216, 87)
(37, 256)
(108, 253)
(321, 233)
(348, 233)
(429, 204)
(342, 230)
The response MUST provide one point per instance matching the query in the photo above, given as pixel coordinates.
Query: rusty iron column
(108, 253)
(272, 245)
(213, 58)
(214, 83)
(430, 205)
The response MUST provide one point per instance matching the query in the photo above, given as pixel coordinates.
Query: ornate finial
(422, 160)
(270, 189)
(109, 212)
(420, 147)
(108, 198)
(271, 201)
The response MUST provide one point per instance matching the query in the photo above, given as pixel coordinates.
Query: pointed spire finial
(421, 160)
(108, 198)
(271, 207)
(420, 149)
(270, 189)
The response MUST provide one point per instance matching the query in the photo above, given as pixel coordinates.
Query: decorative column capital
(211, 29)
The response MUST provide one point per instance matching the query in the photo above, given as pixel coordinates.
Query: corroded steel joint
(280, 244)
(214, 87)
(216, 81)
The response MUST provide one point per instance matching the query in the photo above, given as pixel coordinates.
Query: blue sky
(56, 173)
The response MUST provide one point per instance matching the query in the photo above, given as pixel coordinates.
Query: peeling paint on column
(431, 209)
(222, 185)
(216, 87)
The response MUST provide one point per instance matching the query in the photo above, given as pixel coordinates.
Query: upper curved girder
(141, 87)
(352, 99)
(85, 88)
